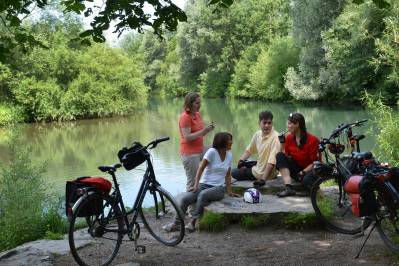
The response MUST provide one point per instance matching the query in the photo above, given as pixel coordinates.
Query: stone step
(270, 204)
(274, 185)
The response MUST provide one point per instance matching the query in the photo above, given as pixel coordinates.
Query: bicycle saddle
(362, 155)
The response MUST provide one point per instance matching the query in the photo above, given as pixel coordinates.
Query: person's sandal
(190, 227)
(286, 193)
(259, 183)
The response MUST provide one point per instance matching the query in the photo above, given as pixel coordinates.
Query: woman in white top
(216, 167)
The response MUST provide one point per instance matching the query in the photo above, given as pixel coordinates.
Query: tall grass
(387, 125)
(26, 210)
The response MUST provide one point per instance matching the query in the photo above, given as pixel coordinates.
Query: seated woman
(300, 150)
(216, 166)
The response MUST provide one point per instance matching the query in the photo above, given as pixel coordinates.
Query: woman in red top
(300, 151)
(192, 131)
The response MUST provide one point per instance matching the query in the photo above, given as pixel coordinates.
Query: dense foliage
(278, 50)
(68, 81)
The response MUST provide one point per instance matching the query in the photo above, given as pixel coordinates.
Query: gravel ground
(264, 246)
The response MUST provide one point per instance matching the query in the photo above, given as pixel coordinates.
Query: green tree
(211, 43)
(267, 75)
(310, 18)
(350, 48)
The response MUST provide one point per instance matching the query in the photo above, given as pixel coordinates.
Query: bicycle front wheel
(96, 230)
(388, 229)
(162, 217)
(334, 207)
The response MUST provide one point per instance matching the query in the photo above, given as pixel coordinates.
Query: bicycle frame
(149, 180)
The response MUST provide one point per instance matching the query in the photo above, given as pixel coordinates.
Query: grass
(213, 222)
(253, 221)
(217, 222)
(300, 220)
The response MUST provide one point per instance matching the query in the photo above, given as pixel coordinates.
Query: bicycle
(107, 222)
(329, 199)
(376, 197)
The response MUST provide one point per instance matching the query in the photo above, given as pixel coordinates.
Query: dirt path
(265, 246)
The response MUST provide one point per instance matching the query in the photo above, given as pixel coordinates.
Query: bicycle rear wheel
(388, 229)
(160, 210)
(336, 214)
(96, 230)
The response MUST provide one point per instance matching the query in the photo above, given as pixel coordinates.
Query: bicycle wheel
(96, 230)
(388, 229)
(336, 214)
(159, 210)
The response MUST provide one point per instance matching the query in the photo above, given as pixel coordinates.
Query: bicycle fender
(75, 206)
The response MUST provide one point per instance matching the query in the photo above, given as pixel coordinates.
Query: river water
(72, 149)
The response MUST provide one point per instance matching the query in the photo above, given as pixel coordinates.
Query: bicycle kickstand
(367, 238)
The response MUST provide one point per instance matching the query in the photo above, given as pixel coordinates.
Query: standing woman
(192, 131)
(300, 150)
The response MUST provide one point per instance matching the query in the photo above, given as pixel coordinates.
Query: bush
(10, 115)
(23, 200)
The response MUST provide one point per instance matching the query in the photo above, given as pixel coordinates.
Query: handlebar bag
(133, 156)
(71, 195)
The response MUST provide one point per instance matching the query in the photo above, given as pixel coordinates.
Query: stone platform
(273, 185)
(270, 204)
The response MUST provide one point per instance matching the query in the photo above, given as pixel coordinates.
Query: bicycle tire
(388, 229)
(98, 243)
(336, 215)
(159, 209)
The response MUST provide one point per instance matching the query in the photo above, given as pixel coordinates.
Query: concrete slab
(270, 205)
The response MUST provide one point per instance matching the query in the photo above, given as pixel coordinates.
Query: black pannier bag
(368, 203)
(133, 156)
(71, 195)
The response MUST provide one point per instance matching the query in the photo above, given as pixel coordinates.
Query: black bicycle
(100, 222)
(331, 203)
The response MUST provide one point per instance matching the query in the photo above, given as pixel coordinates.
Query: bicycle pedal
(140, 249)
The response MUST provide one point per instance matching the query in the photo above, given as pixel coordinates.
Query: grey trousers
(202, 197)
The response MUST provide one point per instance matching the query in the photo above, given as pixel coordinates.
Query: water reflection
(74, 149)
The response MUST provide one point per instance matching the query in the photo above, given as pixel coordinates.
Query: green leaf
(358, 1)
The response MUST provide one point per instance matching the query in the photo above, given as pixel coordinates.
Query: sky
(112, 38)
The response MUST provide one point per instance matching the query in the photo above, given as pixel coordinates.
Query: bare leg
(285, 173)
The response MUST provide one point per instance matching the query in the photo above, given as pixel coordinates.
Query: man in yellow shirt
(265, 144)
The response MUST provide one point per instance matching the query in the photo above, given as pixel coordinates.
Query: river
(72, 149)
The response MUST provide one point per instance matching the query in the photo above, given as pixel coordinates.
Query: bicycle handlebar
(337, 131)
(155, 142)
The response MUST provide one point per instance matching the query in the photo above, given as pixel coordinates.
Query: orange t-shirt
(195, 123)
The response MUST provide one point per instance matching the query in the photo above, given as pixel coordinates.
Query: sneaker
(259, 183)
(190, 227)
(286, 193)
(171, 227)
